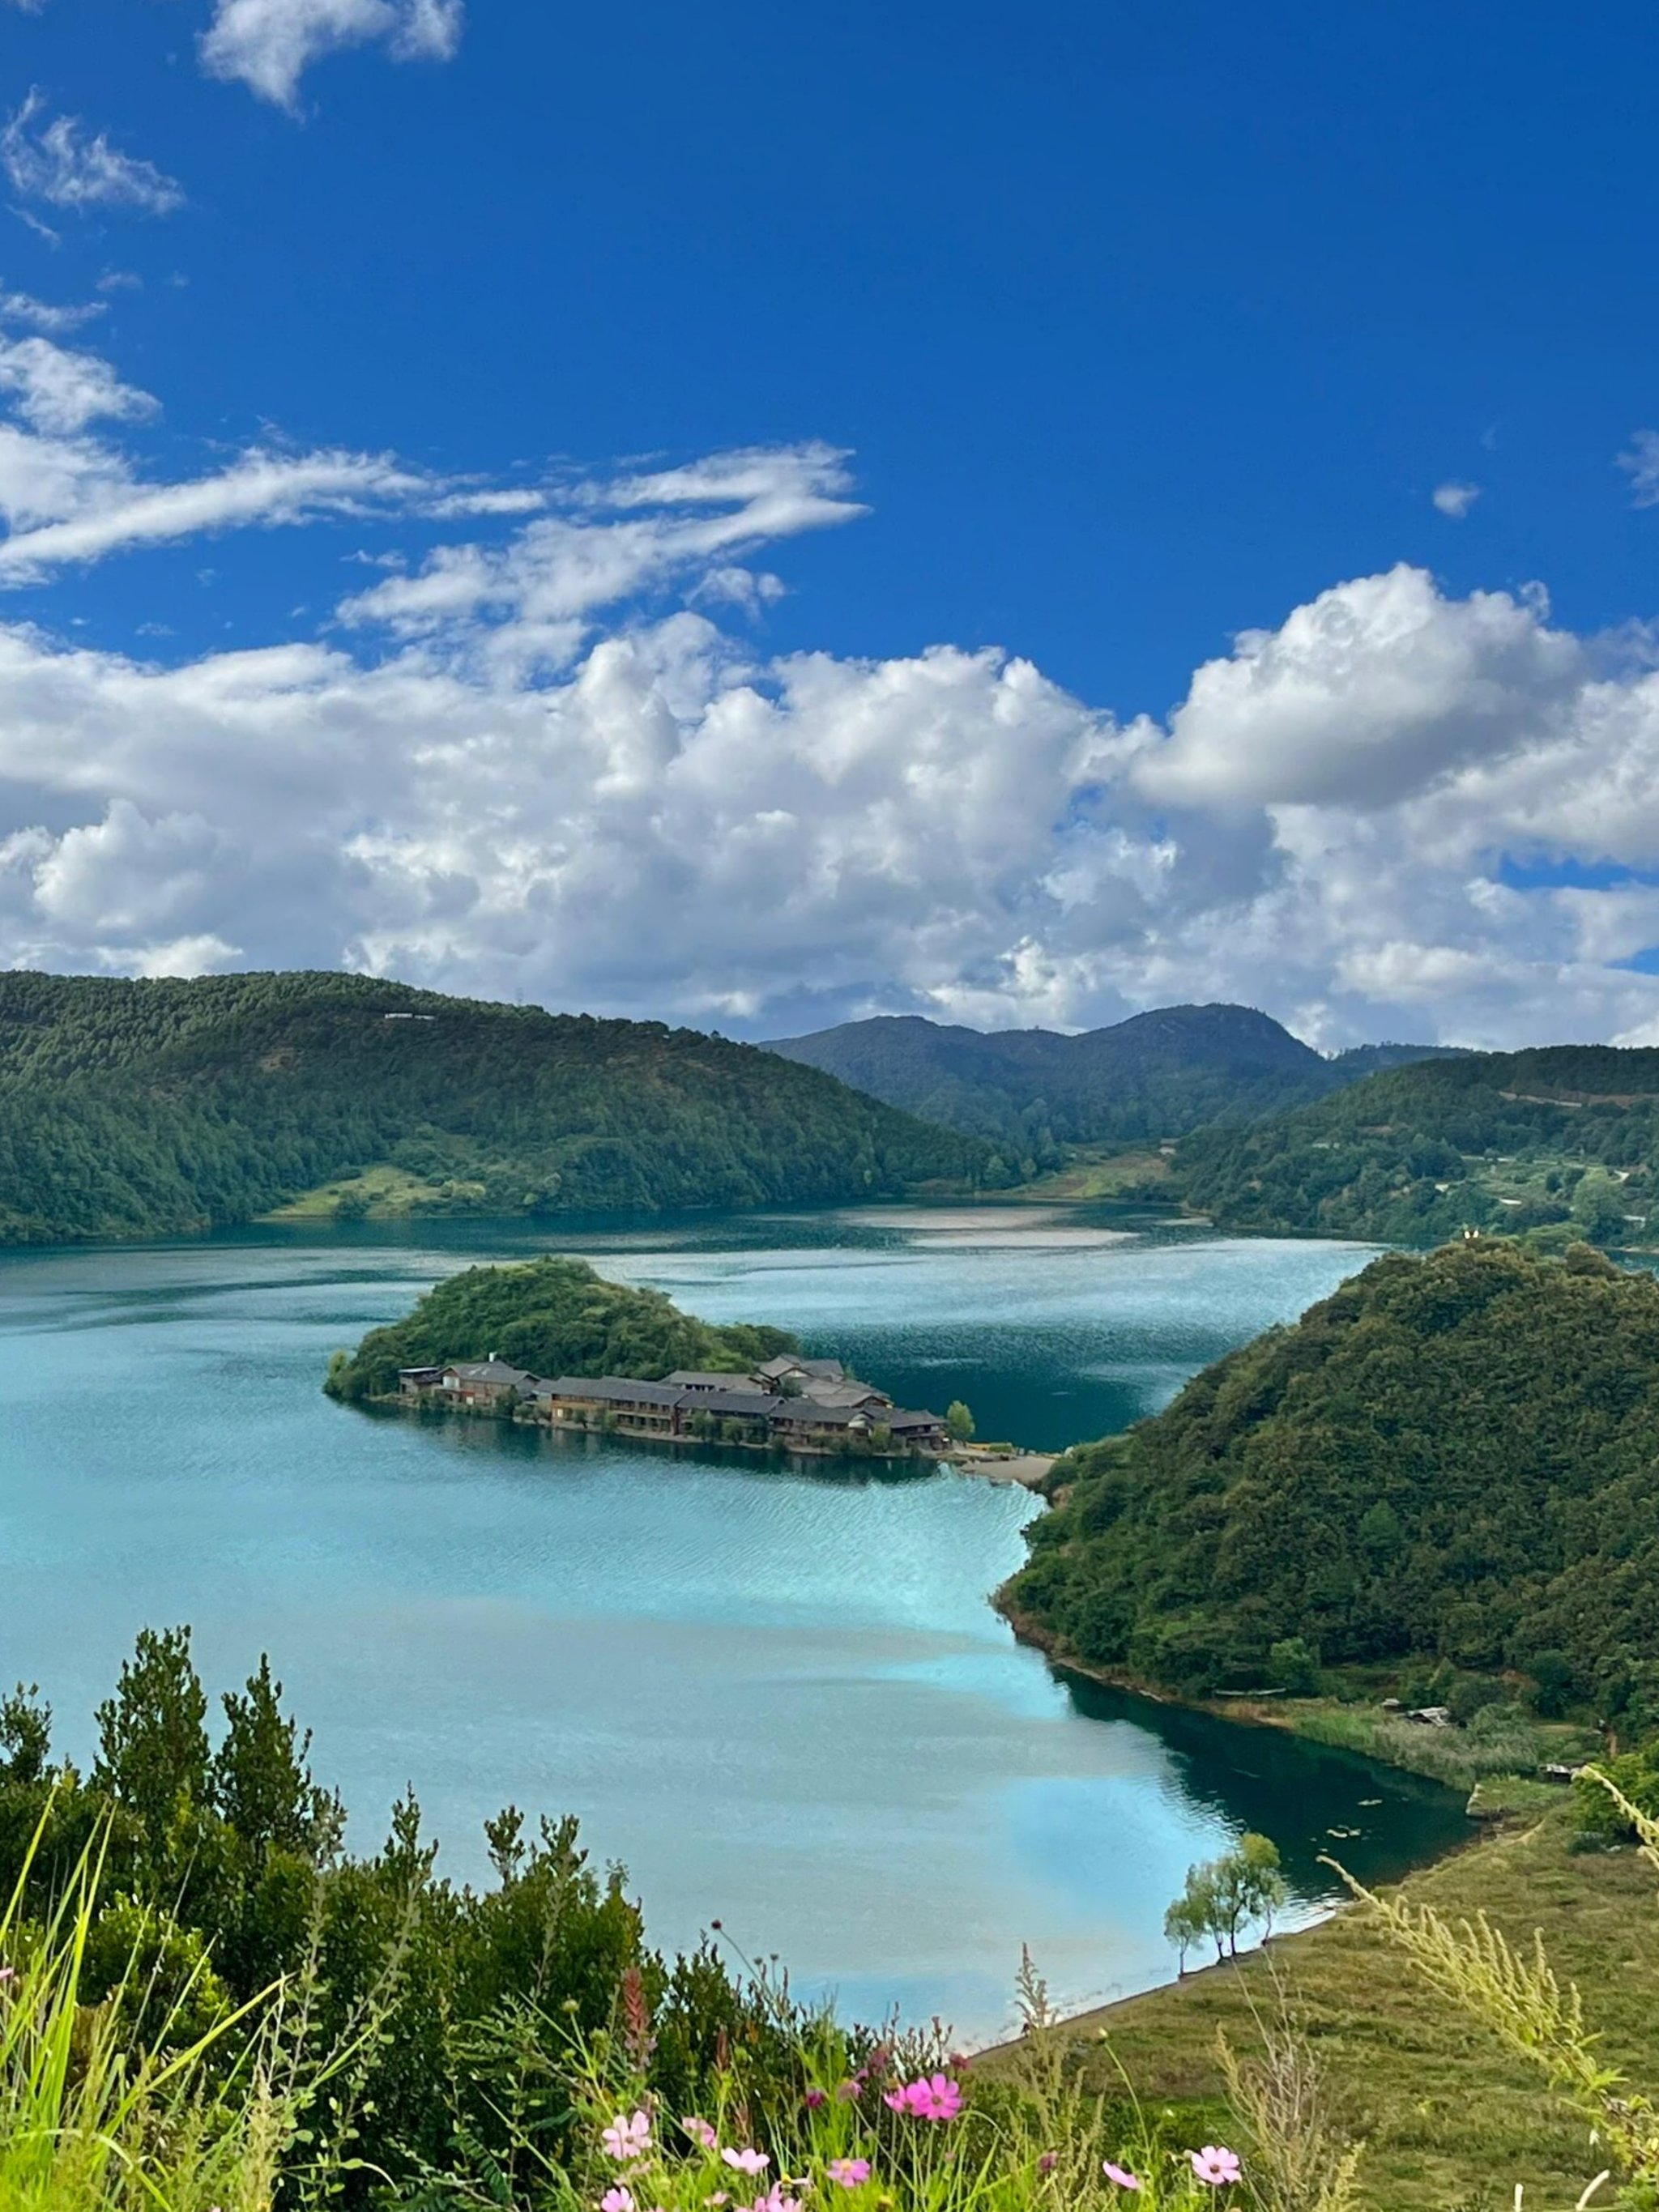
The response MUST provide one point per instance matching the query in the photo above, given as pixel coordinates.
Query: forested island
(551, 1340)
(1448, 1469)
(170, 1107)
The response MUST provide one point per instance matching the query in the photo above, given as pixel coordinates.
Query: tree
(152, 1734)
(261, 1783)
(1223, 1896)
(959, 1422)
(1294, 1667)
(25, 1734)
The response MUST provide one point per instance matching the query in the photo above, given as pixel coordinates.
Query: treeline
(426, 2025)
(552, 1317)
(131, 1109)
(1454, 1462)
(1557, 1145)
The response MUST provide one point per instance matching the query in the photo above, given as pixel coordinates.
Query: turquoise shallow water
(780, 1699)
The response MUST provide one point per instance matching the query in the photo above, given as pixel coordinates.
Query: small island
(551, 1342)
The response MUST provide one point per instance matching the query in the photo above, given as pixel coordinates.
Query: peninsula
(552, 1341)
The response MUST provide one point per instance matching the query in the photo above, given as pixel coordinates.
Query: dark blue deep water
(779, 1700)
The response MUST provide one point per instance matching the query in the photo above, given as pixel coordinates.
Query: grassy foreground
(1450, 2118)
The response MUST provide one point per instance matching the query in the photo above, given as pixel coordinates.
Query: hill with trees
(170, 1107)
(1452, 1461)
(552, 1316)
(1031, 1092)
(1555, 1142)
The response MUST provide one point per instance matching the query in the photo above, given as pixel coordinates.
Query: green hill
(552, 1317)
(144, 1109)
(1030, 1093)
(1453, 1459)
(1558, 1142)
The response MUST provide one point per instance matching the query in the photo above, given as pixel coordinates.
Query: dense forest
(1031, 1092)
(1454, 1459)
(157, 1108)
(1557, 1144)
(426, 2026)
(553, 1317)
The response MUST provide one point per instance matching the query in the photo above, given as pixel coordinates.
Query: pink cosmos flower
(936, 2097)
(1120, 2176)
(616, 2200)
(629, 2135)
(1217, 2167)
(701, 2132)
(746, 2161)
(815, 2098)
(848, 2173)
(849, 2091)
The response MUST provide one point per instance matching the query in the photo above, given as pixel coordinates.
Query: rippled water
(779, 1699)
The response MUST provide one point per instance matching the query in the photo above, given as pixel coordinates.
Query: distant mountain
(1555, 1142)
(145, 1108)
(1029, 1091)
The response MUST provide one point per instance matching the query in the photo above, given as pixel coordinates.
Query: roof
(789, 1363)
(707, 1378)
(486, 1371)
(756, 1404)
(618, 1390)
(820, 1393)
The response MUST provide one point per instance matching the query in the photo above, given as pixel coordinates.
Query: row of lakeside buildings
(800, 1404)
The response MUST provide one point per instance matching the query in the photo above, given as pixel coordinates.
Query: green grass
(1449, 2117)
(1092, 1173)
(378, 1193)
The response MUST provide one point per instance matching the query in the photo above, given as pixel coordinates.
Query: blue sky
(1065, 348)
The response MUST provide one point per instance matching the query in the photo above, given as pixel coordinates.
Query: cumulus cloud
(1640, 463)
(545, 758)
(61, 162)
(270, 44)
(1454, 499)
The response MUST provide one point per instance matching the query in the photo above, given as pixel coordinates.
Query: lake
(779, 1699)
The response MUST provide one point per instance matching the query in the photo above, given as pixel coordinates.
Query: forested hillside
(1558, 1142)
(1454, 1459)
(1030, 1093)
(552, 1316)
(138, 1109)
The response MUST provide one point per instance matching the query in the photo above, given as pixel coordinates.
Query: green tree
(25, 1734)
(153, 1755)
(1294, 1666)
(959, 1422)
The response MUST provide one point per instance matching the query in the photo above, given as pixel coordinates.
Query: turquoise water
(779, 1700)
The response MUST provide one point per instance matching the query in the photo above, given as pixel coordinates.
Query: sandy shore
(1029, 1468)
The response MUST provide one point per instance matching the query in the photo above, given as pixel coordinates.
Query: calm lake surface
(779, 1700)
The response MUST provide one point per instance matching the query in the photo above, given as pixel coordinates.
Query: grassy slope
(1446, 2112)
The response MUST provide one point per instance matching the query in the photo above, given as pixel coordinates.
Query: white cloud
(545, 760)
(270, 44)
(1641, 465)
(60, 392)
(1454, 499)
(40, 315)
(59, 162)
(107, 511)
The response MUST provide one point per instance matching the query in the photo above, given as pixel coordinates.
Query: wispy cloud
(60, 391)
(1454, 500)
(269, 45)
(63, 163)
(117, 512)
(1641, 465)
(41, 315)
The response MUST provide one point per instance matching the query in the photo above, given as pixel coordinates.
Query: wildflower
(719, 2197)
(616, 2200)
(775, 2201)
(848, 2173)
(1120, 2176)
(1048, 2161)
(701, 2132)
(937, 2097)
(1217, 2167)
(746, 2161)
(9, 1974)
(849, 2091)
(813, 2099)
(629, 2135)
